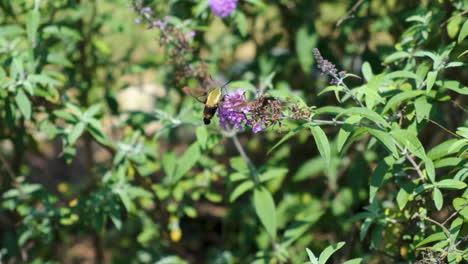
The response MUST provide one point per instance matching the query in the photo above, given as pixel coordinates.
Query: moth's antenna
(223, 88)
(227, 83)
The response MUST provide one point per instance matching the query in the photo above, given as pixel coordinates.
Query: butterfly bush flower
(260, 114)
(233, 110)
(257, 127)
(328, 68)
(223, 8)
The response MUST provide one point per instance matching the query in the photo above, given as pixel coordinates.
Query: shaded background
(76, 203)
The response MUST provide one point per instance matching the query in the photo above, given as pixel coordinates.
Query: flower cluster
(223, 8)
(234, 110)
(326, 67)
(177, 42)
(261, 113)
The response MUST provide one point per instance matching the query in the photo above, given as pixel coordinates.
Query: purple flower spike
(257, 127)
(233, 110)
(191, 34)
(223, 8)
(160, 24)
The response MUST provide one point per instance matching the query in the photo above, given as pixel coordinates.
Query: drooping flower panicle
(223, 8)
(233, 110)
(328, 68)
(260, 114)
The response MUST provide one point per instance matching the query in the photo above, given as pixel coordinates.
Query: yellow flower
(73, 202)
(62, 187)
(176, 235)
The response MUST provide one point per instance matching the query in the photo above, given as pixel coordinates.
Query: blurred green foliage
(104, 159)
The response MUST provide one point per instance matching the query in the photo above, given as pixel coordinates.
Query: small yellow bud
(404, 252)
(176, 235)
(73, 202)
(387, 211)
(62, 187)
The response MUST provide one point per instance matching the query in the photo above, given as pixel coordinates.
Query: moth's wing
(224, 88)
(197, 93)
(211, 84)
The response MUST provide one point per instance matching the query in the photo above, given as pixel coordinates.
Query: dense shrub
(342, 131)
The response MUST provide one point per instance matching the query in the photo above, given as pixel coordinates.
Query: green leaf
(365, 227)
(201, 6)
(187, 161)
(306, 40)
(265, 209)
(403, 75)
(371, 91)
(202, 135)
(402, 198)
(438, 198)
(76, 132)
(297, 229)
(401, 97)
(65, 115)
(311, 256)
(383, 168)
(430, 169)
(326, 254)
(422, 53)
(367, 71)
(463, 53)
(346, 130)
(454, 64)
(430, 80)
(454, 86)
(239, 164)
(241, 189)
(448, 162)
(332, 88)
(376, 234)
(353, 261)
(409, 140)
(367, 113)
(453, 26)
(385, 139)
(309, 169)
(272, 173)
(451, 184)
(423, 108)
(116, 219)
(241, 23)
(396, 56)
(258, 3)
(461, 205)
(442, 150)
(24, 104)
(455, 228)
(458, 144)
(286, 137)
(322, 143)
(32, 24)
(463, 32)
(434, 237)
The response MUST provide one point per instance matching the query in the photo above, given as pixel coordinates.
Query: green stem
(253, 170)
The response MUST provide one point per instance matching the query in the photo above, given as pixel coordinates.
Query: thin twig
(459, 106)
(446, 231)
(349, 13)
(246, 158)
(439, 125)
(454, 214)
(455, 16)
(8, 168)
